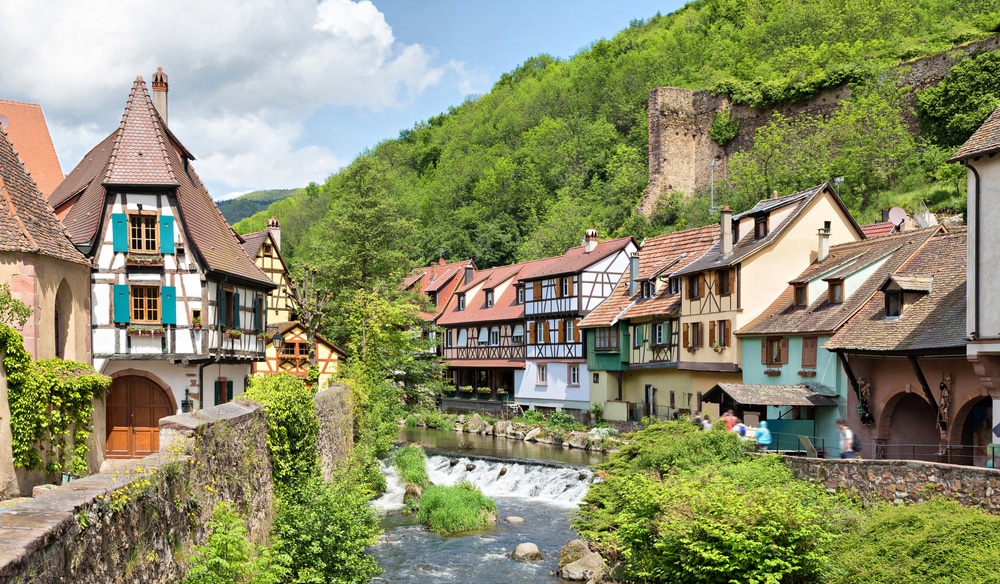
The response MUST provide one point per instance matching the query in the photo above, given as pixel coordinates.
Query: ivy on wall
(51, 407)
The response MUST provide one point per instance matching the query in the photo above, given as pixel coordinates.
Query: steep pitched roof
(748, 245)
(844, 260)
(576, 259)
(505, 306)
(441, 278)
(28, 132)
(658, 257)
(253, 241)
(27, 223)
(143, 152)
(984, 140)
(878, 229)
(934, 322)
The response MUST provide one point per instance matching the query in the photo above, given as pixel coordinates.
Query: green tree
(12, 311)
(292, 426)
(228, 556)
(952, 110)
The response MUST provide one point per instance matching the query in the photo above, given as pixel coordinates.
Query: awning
(767, 395)
(486, 363)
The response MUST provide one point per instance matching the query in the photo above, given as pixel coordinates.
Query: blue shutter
(166, 234)
(119, 232)
(122, 312)
(229, 391)
(220, 306)
(168, 308)
(236, 310)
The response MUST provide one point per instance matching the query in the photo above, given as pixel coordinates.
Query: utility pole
(712, 209)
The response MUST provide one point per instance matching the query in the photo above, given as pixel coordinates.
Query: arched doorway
(134, 408)
(61, 322)
(977, 432)
(913, 433)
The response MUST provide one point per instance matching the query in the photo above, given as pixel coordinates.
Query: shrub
(462, 507)
(411, 464)
(724, 128)
(562, 421)
(292, 426)
(228, 556)
(531, 417)
(676, 446)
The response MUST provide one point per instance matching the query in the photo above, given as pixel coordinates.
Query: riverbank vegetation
(680, 503)
(454, 509)
(410, 463)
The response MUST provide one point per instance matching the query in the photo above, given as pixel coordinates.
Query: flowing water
(538, 485)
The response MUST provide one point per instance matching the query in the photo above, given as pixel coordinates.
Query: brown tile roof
(505, 306)
(936, 321)
(768, 395)
(783, 317)
(143, 152)
(985, 140)
(27, 130)
(747, 245)
(441, 278)
(252, 242)
(659, 256)
(878, 229)
(912, 283)
(27, 223)
(576, 259)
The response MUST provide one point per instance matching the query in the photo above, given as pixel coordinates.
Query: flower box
(807, 373)
(772, 372)
(144, 260)
(233, 333)
(484, 390)
(465, 389)
(146, 331)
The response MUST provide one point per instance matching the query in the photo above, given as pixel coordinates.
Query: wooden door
(134, 408)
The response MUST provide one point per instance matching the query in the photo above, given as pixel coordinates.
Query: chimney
(441, 260)
(468, 273)
(726, 224)
(633, 273)
(774, 195)
(824, 242)
(590, 240)
(274, 228)
(160, 93)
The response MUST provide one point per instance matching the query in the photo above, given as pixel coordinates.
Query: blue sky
(270, 96)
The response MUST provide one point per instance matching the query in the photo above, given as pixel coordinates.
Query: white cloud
(244, 74)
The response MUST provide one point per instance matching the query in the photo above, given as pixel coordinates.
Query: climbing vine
(725, 128)
(51, 407)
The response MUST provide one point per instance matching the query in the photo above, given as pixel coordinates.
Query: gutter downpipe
(975, 298)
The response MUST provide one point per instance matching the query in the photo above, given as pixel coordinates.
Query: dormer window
(694, 286)
(649, 288)
(801, 296)
(675, 285)
(520, 295)
(489, 299)
(894, 303)
(268, 250)
(836, 291)
(461, 302)
(724, 285)
(736, 231)
(760, 227)
(433, 297)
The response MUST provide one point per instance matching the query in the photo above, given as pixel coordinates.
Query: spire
(139, 155)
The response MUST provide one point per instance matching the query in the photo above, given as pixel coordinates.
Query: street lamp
(277, 340)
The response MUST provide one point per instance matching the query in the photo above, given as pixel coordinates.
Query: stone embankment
(596, 439)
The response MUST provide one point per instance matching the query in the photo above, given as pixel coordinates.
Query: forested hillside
(560, 145)
(247, 204)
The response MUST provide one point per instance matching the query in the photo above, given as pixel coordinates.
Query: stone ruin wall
(681, 151)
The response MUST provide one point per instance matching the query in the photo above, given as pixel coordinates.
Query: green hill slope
(247, 204)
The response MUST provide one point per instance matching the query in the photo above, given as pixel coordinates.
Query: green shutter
(229, 391)
(220, 306)
(217, 396)
(168, 308)
(122, 312)
(256, 314)
(236, 310)
(119, 232)
(166, 234)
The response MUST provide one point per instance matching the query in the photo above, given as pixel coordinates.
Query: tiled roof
(27, 130)
(143, 151)
(747, 245)
(577, 258)
(441, 278)
(27, 223)
(983, 141)
(935, 321)
(253, 241)
(768, 395)
(505, 306)
(878, 229)
(783, 317)
(912, 283)
(658, 257)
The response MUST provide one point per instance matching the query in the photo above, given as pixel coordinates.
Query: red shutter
(576, 331)
(686, 328)
(784, 351)
(711, 333)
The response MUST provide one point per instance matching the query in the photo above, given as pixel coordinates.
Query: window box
(465, 389)
(146, 331)
(772, 372)
(233, 333)
(692, 349)
(484, 390)
(807, 373)
(263, 337)
(144, 260)
(196, 323)
(718, 348)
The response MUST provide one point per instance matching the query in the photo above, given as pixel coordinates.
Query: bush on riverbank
(431, 418)
(410, 463)
(462, 507)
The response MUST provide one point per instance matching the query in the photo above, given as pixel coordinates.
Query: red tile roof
(143, 152)
(984, 140)
(27, 223)
(441, 278)
(878, 229)
(27, 130)
(577, 258)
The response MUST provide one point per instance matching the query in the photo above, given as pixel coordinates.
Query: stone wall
(904, 481)
(335, 409)
(681, 151)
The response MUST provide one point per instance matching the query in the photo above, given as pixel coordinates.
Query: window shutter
(562, 332)
(686, 327)
(217, 395)
(732, 280)
(119, 232)
(545, 329)
(537, 290)
(531, 333)
(576, 331)
(809, 351)
(715, 283)
(764, 343)
(703, 288)
(122, 312)
(166, 234)
(168, 308)
(559, 282)
(258, 314)
(784, 350)
(729, 327)
(572, 281)
(236, 310)
(229, 391)
(220, 306)
(711, 333)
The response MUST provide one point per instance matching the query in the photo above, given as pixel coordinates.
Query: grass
(411, 464)
(463, 507)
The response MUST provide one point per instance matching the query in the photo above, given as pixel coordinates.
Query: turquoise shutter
(119, 232)
(229, 391)
(236, 310)
(166, 234)
(217, 395)
(168, 300)
(256, 314)
(220, 306)
(122, 312)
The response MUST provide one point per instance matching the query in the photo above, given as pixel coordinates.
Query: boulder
(503, 471)
(453, 462)
(458, 426)
(526, 552)
(514, 519)
(590, 567)
(474, 424)
(532, 434)
(544, 439)
(573, 551)
(577, 440)
(470, 467)
(488, 429)
(412, 492)
(501, 427)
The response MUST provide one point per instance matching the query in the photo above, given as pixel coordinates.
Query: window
(484, 336)
(809, 352)
(760, 227)
(675, 285)
(893, 303)
(606, 339)
(637, 334)
(142, 233)
(695, 334)
(722, 279)
(517, 336)
(433, 297)
(461, 302)
(267, 249)
(597, 378)
(489, 299)
(543, 375)
(774, 351)
(694, 286)
(564, 287)
(648, 288)
(722, 328)
(672, 400)
(574, 375)
(494, 337)
(539, 333)
(520, 295)
(447, 338)
(658, 336)
(801, 296)
(736, 232)
(145, 303)
(229, 309)
(836, 291)
(570, 331)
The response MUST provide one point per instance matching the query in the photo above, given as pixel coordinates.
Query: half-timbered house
(177, 306)
(758, 253)
(438, 282)
(633, 337)
(558, 293)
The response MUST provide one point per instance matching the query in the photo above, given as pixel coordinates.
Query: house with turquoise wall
(789, 337)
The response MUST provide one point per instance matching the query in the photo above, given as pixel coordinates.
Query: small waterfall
(392, 499)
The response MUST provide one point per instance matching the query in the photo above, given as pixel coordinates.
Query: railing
(959, 454)
(501, 352)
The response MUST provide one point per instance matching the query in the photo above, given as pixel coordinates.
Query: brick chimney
(824, 242)
(590, 240)
(726, 224)
(273, 227)
(160, 93)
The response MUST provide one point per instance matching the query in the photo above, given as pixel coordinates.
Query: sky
(274, 94)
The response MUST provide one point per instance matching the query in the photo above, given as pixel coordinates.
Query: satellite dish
(897, 215)
(4, 121)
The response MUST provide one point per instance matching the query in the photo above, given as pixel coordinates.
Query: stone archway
(907, 428)
(971, 431)
(135, 404)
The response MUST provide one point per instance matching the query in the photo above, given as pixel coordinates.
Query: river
(542, 484)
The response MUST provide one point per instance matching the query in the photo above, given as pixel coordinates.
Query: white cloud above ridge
(244, 75)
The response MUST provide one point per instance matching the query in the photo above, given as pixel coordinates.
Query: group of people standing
(848, 445)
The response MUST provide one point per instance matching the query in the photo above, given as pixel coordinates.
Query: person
(846, 439)
(763, 436)
(706, 422)
(730, 419)
(740, 428)
(696, 420)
